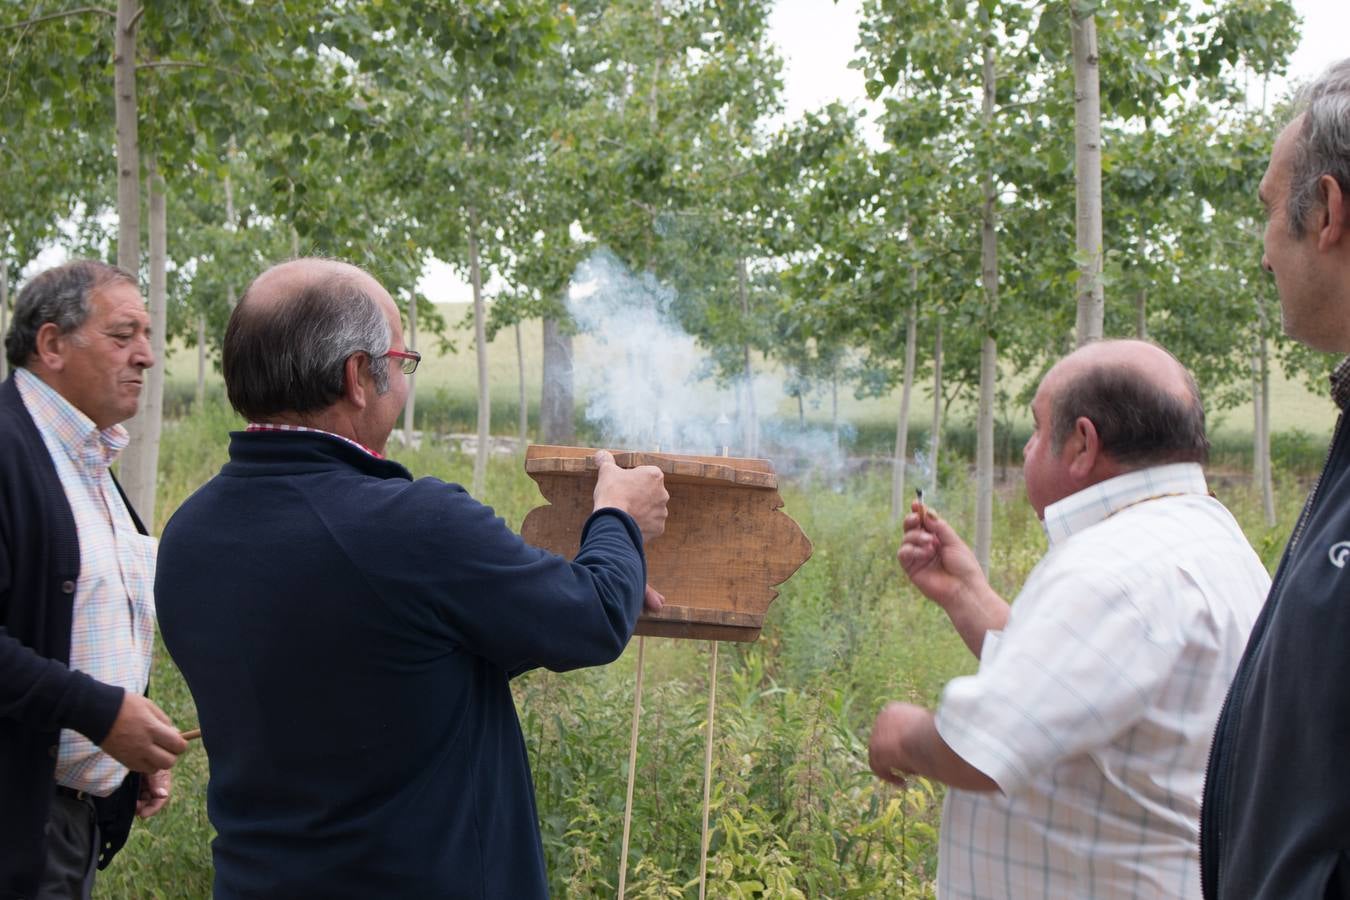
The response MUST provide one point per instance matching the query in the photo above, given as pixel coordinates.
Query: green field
(446, 386)
(796, 813)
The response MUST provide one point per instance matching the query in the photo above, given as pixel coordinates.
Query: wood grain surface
(727, 543)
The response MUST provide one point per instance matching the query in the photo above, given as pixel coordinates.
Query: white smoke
(648, 384)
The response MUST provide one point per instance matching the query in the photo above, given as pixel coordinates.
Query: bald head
(288, 280)
(288, 340)
(1144, 404)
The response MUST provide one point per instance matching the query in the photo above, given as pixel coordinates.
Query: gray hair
(288, 355)
(1322, 146)
(60, 296)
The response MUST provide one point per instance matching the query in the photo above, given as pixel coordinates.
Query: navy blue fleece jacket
(348, 635)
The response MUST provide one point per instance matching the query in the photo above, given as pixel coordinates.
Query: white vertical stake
(632, 770)
(707, 772)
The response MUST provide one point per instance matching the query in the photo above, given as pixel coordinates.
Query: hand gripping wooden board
(726, 545)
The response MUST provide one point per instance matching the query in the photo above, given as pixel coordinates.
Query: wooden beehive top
(726, 545)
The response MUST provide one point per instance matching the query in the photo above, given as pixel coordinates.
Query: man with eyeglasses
(349, 633)
(81, 748)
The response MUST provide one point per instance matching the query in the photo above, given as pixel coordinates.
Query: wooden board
(726, 546)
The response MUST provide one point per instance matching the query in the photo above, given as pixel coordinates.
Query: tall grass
(795, 811)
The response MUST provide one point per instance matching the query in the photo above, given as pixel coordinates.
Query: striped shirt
(1093, 709)
(112, 630)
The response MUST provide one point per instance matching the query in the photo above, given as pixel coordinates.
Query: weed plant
(795, 810)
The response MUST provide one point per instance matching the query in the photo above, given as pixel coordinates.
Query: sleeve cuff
(629, 525)
(979, 747)
(97, 708)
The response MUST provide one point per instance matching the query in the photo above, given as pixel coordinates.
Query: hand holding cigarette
(935, 558)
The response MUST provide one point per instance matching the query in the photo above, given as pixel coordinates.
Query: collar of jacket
(299, 452)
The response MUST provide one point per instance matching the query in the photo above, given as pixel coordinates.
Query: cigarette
(191, 735)
(923, 510)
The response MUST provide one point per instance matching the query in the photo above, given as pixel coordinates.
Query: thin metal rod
(632, 769)
(707, 773)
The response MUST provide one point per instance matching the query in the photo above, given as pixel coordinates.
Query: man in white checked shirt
(1075, 755)
(76, 576)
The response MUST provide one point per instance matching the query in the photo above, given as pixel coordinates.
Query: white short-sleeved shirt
(1093, 709)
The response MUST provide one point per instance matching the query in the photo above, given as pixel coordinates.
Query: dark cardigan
(348, 635)
(39, 693)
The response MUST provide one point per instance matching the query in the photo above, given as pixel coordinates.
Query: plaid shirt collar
(1091, 505)
(76, 433)
(1340, 384)
(265, 427)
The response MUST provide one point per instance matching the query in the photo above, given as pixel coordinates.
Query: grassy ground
(796, 813)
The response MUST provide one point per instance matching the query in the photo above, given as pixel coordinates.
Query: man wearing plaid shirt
(1075, 755)
(76, 571)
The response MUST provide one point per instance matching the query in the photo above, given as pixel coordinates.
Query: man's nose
(1265, 264)
(143, 357)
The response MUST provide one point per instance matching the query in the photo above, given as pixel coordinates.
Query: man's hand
(945, 570)
(142, 737)
(939, 563)
(886, 751)
(640, 492)
(155, 790)
(652, 600)
(905, 741)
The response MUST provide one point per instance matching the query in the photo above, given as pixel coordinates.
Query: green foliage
(795, 810)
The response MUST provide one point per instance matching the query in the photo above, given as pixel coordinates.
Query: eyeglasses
(410, 359)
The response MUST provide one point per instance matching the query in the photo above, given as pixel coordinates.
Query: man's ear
(354, 372)
(1084, 447)
(49, 347)
(1332, 225)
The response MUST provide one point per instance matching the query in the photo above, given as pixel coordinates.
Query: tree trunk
(4, 312)
(524, 410)
(834, 405)
(480, 345)
(1261, 402)
(230, 151)
(1268, 481)
(1088, 170)
(936, 442)
(128, 149)
(898, 505)
(751, 422)
(1141, 314)
(201, 361)
(984, 442)
(410, 405)
(557, 417)
(140, 460)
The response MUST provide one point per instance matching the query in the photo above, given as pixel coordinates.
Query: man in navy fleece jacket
(348, 632)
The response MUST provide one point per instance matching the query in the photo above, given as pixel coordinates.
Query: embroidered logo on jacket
(1339, 553)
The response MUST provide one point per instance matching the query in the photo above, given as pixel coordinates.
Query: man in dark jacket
(1276, 816)
(76, 569)
(349, 633)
